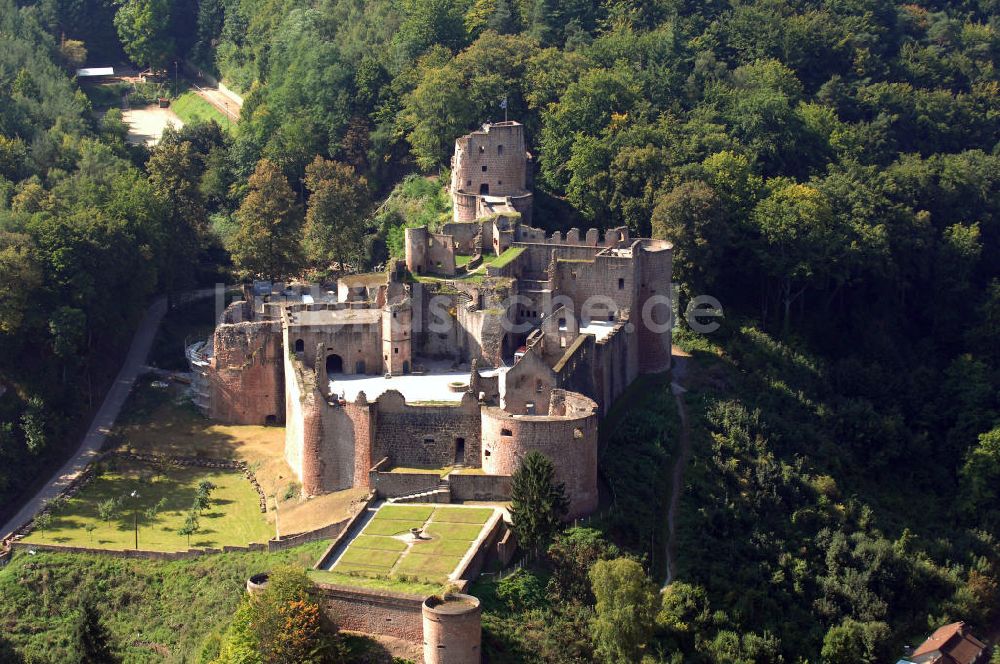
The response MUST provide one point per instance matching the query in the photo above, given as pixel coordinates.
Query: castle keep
(491, 340)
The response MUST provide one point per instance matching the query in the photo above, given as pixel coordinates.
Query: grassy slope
(233, 517)
(191, 108)
(175, 604)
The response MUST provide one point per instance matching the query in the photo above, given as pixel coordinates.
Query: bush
(522, 590)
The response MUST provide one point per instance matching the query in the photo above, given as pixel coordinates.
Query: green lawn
(407, 585)
(463, 515)
(376, 557)
(390, 527)
(233, 517)
(428, 566)
(419, 512)
(370, 558)
(191, 108)
(507, 256)
(378, 543)
(454, 531)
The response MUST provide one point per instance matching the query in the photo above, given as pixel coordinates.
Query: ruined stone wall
(465, 236)
(295, 420)
(570, 442)
(536, 257)
(530, 380)
(434, 329)
(575, 369)
(344, 454)
(246, 381)
(599, 288)
(304, 438)
(372, 611)
(327, 446)
(616, 366)
(358, 345)
(413, 435)
(440, 255)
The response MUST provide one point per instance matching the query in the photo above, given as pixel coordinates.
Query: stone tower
(491, 162)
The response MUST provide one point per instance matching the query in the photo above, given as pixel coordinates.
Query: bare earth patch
(146, 125)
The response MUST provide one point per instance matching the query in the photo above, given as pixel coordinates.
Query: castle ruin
(489, 341)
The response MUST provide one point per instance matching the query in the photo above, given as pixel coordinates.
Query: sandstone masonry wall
(372, 611)
(569, 441)
(425, 435)
(247, 382)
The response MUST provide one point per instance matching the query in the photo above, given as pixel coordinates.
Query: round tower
(415, 240)
(452, 630)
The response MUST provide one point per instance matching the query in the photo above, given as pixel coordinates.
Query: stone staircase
(442, 494)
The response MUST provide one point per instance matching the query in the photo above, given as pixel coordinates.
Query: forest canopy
(828, 169)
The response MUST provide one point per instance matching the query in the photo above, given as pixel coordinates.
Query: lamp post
(135, 516)
(277, 530)
(175, 78)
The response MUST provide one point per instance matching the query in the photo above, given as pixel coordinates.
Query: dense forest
(828, 169)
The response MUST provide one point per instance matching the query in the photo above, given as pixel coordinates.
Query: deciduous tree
(268, 243)
(144, 29)
(625, 611)
(335, 214)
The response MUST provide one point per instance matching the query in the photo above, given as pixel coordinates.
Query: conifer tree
(93, 643)
(538, 502)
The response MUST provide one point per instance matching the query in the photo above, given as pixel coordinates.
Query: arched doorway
(484, 189)
(300, 346)
(459, 451)
(334, 364)
(406, 366)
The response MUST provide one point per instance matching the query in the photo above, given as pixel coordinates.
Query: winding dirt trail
(680, 360)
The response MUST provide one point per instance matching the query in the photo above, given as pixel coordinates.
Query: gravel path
(680, 361)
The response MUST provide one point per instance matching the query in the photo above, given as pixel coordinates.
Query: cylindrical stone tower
(452, 630)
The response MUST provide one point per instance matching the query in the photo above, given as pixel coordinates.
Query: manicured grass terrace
(383, 557)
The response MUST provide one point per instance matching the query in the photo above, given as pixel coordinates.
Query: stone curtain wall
(372, 611)
(412, 435)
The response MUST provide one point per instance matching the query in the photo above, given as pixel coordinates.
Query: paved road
(104, 420)
(680, 360)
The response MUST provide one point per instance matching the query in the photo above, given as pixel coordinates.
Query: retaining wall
(392, 485)
(479, 487)
(372, 611)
